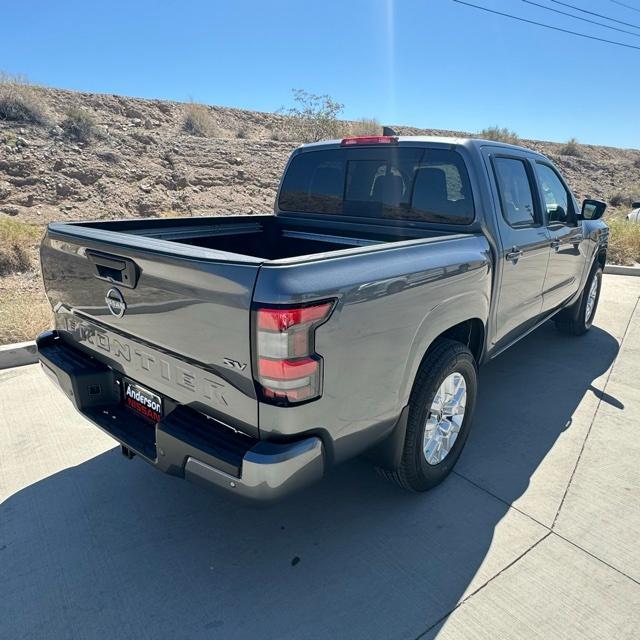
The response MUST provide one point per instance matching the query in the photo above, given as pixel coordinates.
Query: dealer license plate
(142, 401)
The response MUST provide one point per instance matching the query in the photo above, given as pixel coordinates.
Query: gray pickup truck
(253, 352)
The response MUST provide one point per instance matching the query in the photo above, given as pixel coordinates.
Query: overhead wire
(571, 15)
(547, 26)
(628, 6)
(593, 13)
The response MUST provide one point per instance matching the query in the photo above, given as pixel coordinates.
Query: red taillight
(282, 319)
(287, 367)
(354, 140)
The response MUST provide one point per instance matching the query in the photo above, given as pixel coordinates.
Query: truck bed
(264, 237)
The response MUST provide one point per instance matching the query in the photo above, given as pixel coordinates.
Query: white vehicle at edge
(634, 216)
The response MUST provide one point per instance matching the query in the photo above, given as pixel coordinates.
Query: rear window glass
(411, 183)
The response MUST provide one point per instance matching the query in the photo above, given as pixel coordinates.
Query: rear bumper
(184, 443)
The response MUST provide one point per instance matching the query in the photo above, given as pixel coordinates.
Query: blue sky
(428, 63)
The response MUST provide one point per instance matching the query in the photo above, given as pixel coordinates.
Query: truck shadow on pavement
(115, 549)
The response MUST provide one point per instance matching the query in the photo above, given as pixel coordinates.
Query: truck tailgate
(174, 318)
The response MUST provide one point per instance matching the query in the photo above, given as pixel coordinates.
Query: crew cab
(252, 352)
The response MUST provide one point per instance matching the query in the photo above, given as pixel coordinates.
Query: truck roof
(448, 140)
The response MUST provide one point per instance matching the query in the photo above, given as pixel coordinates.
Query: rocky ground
(140, 162)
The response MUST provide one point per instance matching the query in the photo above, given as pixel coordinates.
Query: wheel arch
(463, 319)
(471, 332)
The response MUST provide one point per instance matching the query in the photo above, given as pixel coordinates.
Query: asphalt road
(535, 535)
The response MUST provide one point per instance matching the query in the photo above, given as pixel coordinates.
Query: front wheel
(441, 410)
(578, 318)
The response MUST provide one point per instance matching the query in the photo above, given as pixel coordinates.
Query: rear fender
(450, 312)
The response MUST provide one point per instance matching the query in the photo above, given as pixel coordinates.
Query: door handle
(114, 269)
(513, 255)
(555, 244)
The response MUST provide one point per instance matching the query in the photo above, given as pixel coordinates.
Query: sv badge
(234, 364)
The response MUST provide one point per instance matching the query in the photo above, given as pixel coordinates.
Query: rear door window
(410, 183)
(514, 186)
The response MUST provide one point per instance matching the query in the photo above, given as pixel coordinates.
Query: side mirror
(592, 210)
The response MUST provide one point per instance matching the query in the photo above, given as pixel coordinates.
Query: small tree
(313, 117)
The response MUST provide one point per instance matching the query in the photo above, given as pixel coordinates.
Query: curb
(18, 354)
(618, 270)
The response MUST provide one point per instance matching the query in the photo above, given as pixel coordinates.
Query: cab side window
(556, 198)
(516, 195)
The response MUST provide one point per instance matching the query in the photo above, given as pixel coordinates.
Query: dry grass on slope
(624, 242)
(20, 102)
(23, 314)
(18, 242)
(24, 310)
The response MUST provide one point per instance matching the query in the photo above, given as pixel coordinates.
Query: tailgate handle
(114, 269)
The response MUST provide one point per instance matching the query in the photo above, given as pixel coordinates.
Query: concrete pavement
(534, 536)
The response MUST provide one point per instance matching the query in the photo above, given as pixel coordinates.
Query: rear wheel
(441, 410)
(578, 318)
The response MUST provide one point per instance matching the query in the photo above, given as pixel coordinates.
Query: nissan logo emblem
(115, 302)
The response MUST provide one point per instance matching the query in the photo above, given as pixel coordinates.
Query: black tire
(414, 472)
(573, 320)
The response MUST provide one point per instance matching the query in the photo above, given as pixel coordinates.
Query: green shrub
(500, 134)
(198, 121)
(623, 198)
(80, 125)
(20, 102)
(616, 199)
(570, 148)
(312, 118)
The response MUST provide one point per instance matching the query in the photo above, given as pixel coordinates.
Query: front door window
(555, 196)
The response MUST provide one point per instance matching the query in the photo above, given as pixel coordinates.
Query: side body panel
(391, 304)
(569, 253)
(521, 259)
(554, 264)
(566, 264)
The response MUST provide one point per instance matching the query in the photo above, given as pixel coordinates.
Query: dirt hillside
(142, 163)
